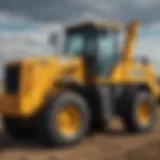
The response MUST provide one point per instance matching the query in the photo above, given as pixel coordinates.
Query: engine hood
(59, 63)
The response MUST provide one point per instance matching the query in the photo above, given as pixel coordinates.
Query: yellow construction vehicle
(61, 98)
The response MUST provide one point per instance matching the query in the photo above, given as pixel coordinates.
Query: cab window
(107, 51)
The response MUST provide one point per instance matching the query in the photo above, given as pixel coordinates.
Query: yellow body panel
(38, 78)
(129, 74)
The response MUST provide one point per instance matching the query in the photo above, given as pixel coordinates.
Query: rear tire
(48, 128)
(131, 116)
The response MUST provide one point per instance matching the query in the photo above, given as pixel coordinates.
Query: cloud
(64, 11)
(23, 37)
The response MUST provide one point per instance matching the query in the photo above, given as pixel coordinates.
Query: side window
(75, 44)
(106, 52)
(106, 45)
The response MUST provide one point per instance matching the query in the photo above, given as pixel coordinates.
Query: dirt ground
(116, 144)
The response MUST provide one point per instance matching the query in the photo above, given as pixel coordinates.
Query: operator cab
(97, 43)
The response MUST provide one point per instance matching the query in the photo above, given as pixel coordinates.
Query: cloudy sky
(26, 24)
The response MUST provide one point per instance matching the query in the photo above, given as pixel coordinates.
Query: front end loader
(61, 98)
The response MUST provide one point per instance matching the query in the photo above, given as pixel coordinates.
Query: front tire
(65, 121)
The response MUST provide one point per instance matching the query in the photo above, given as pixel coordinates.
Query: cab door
(107, 52)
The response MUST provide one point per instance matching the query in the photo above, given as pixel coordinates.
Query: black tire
(48, 129)
(16, 128)
(132, 102)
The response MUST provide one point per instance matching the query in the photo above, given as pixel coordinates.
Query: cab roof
(95, 24)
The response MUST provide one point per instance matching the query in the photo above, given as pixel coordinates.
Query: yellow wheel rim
(68, 120)
(143, 113)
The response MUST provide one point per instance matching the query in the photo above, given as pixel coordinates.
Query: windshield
(80, 41)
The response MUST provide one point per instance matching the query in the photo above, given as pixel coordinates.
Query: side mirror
(53, 39)
(144, 60)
